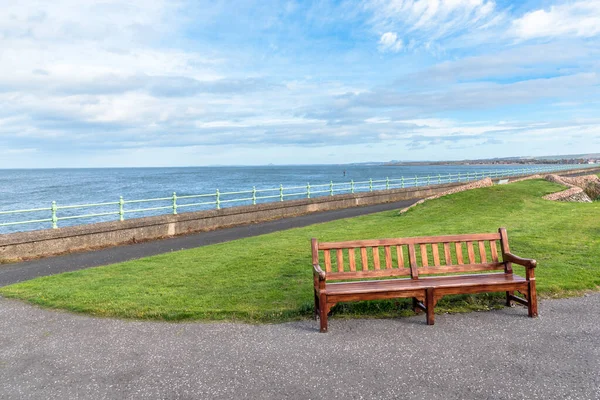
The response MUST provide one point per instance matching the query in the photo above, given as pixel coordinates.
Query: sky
(178, 83)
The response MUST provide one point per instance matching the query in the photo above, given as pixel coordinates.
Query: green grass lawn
(269, 277)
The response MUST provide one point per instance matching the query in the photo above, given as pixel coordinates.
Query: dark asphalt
(499, 354)
(13, 273)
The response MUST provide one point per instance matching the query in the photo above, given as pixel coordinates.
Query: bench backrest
(412, 256)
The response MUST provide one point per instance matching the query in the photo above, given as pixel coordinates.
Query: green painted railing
(175, 203)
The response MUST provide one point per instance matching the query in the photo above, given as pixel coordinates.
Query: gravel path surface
(500, 354)
(13, 273)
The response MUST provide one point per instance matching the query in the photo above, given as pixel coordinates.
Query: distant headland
(592, 158)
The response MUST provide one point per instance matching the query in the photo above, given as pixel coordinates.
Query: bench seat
(455, 281)
(419, 279)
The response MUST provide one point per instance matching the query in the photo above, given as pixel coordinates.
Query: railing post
(370, 185)
(428, 180)
(402, 181)
(352, 186)
(308, 190)
(121, 210)
(54, 218)
(331, 188)
(416, 180)
(253, 195)
(458, 177)
(439, 179)
(174, 203)
(218, 196)
(387, 183)
(280, 192)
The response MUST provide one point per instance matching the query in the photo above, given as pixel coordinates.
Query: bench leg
(323, 313)
(508, 300)
(430, 305)
(532, 308)
(316, 313)
(416, 308)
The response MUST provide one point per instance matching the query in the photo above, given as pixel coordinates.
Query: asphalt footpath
(18, 272)
(499, 354)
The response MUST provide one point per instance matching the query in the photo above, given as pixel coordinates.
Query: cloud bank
(185, 83)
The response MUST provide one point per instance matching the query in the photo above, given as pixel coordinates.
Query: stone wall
(576, 187)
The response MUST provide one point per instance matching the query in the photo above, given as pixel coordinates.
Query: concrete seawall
(27, 245)
(47, 242)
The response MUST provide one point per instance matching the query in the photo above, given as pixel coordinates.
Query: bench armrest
(318, 271)
(526, 262)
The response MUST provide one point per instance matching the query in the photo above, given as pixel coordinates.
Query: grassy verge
(268, 278)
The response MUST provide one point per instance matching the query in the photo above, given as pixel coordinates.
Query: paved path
(499, 354)
(14, 273)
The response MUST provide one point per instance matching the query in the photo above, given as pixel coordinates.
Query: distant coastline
(489, 162)
(574, 160)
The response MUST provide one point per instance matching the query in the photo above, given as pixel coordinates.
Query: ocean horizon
(38, 188)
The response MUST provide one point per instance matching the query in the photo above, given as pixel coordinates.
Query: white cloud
(86, 76)
(389, 42)
(531, 60)
(427, 21)
(581, 18)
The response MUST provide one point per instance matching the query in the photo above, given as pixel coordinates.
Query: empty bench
(411, 262)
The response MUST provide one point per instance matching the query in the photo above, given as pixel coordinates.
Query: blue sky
(175, 83)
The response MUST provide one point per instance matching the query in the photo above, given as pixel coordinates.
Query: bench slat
(482, 252)
(368, 274)
(352, 259)
(462, 268)
(412, 258)
(363, 258)
(436, 254)
(327, 257)
(435, 281)
(494, 250)
(424, 258)
(388, 257)
(340, 260)
(459, 256)
(376, 263)
(447, 255)
(471, 252)
(400, 254)
(406, 241)
(406, 272)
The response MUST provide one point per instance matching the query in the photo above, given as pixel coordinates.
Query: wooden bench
(397, 258)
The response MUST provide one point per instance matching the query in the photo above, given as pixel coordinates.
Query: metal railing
(254, 196)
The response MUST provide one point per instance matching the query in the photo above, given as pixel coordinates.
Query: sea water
(37, 188)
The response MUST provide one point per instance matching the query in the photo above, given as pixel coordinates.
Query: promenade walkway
(18, 272)
(500, 354)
